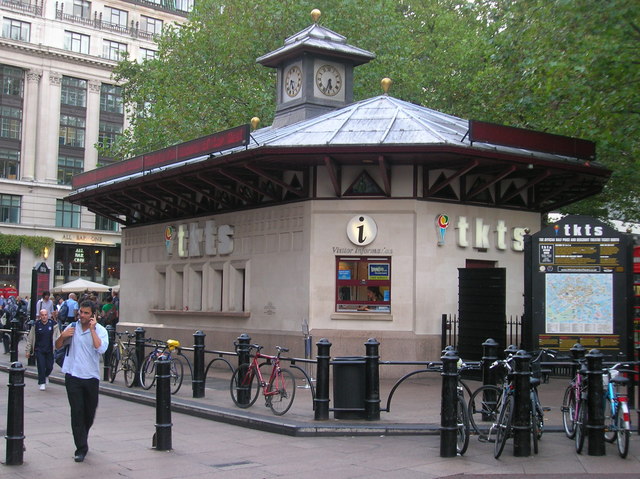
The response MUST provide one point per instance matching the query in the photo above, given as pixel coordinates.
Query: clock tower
(315, 73)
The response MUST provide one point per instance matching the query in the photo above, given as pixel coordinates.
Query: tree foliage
(569, 67)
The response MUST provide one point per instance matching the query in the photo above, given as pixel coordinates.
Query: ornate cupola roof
(314, 71)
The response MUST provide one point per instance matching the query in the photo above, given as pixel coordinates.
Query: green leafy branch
(11, 244)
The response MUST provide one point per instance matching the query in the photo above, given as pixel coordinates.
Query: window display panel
(363, 284)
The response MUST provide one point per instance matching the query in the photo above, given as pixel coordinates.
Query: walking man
(42, 335)
(88, 341)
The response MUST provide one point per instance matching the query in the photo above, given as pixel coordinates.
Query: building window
(82, 9)
(9, 163)
(108, 134)
(73, 92)
(147, 54)
(151, 25)
(72, 131)
(68, 167)
(113, 50)
(76, 42)
(111, 99)
(105, 224)
(116, 16)
(9, 208)
(16, 30)
(12, 81)
(67, 215)
(184, 5)
(10, 122)
(363, 284)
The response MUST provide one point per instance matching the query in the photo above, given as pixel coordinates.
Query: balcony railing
(133, 29)
(23, 7)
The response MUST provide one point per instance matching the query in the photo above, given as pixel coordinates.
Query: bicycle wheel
(537, 414)
(244, 386)
(464, 429)
(148, 372)
(483, 409)
(284, 386)
(114, 362)
(609, 420)
(535, 429)
(580, 425)
(622, 433)
(176, 369)
(569, 412)
(503, 427)
(129, 368)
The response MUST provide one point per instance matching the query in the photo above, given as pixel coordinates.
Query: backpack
(63, 313)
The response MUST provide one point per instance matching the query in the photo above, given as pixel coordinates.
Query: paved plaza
(121, 439)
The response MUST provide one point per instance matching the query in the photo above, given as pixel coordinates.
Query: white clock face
(328, 80)
(293, 81)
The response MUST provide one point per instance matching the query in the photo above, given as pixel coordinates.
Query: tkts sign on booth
(193, 240)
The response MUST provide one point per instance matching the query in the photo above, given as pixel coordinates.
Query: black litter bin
(349, 387)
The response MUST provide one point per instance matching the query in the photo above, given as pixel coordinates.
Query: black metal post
(449, 405)
(111, 331)
(162, 437)
(197, 382)
(489, 356)
(595, 406)
(321, 401)
(140, 354)
(372, 380)
(577, 351)
(244, 358)
(15, 339)
(522, 405)
(15, 415)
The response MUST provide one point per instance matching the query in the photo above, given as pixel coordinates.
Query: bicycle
(571, 402)
(176, 368)
(248, 380)
(616, 410)
(123, 358)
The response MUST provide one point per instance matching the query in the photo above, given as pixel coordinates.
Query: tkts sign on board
(193, 240)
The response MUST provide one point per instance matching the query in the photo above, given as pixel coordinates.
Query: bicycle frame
(275, 367)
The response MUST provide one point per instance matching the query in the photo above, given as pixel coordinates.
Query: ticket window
(363, 284)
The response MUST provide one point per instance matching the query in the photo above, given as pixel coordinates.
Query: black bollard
(15, 339)
(197, 382)
(372, 380)
(140, 354)
(321, 401)
(489, 356)
(111, 331)
(162, 437)
(522, 405)
(15, 415)
(578, 352)
(244, 358)
(595, 406)
(449, 405)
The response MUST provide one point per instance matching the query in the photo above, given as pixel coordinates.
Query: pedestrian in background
(40, 340)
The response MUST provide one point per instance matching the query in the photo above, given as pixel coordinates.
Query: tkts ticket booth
(579, 288)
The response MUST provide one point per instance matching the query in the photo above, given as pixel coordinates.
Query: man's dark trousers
(83, 399)
(44, 361)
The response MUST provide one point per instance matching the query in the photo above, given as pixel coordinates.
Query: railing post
(321, 401)
(111, 331)
(372, 380)
(449, 405)
(15, 339)
(244, 358)
(162, 437)
(197, 382)
(595, 409)
(522, 405)
(577, 351)
(140, 354)
(489, 356)
(15, 415)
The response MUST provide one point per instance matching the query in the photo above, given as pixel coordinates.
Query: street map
(579, 303)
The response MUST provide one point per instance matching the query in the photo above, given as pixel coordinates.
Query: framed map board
(578, 286)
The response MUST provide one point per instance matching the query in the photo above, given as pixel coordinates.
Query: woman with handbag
(41, 339)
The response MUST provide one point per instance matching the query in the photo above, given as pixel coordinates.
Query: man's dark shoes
(79, 457)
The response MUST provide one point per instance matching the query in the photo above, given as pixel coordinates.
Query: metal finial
(255, 121)
(386, 84)
(315, 15)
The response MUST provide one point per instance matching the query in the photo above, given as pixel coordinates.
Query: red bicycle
(248, 380)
